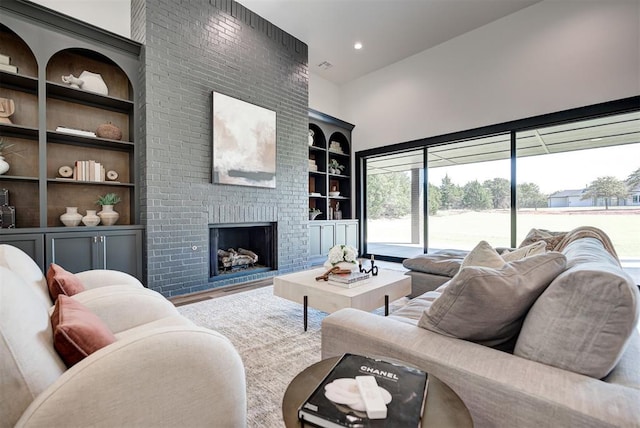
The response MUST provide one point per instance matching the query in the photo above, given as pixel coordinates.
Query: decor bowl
(334, 194)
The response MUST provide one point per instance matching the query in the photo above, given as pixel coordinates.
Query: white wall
(554, 55)
(111, 15)
(324, 96)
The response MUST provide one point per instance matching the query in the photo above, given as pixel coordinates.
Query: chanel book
(337, 402)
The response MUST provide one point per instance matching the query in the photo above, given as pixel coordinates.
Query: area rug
(268, 333)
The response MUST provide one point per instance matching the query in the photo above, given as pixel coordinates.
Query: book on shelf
(4, 59)
(352, 278)
(8, 67)
(73, 131)
(336, 402)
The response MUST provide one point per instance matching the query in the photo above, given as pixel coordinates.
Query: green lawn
(463, 229)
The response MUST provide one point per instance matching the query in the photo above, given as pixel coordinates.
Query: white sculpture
(88, 81)
(73, 81)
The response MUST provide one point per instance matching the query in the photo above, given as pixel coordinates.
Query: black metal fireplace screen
(238, 249)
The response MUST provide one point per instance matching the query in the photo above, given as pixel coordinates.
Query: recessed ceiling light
(357, 46)
(596, 139)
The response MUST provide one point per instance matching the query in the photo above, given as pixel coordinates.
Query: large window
(563, 170)
(583, 173)
(394, 204)
(470, 188)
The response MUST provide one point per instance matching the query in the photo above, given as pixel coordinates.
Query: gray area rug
(268, 333)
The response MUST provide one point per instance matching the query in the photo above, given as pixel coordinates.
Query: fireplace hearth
(239, 249)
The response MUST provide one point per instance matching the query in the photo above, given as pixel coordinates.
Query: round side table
(443, 408)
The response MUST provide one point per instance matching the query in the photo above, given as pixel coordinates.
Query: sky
(552, 173)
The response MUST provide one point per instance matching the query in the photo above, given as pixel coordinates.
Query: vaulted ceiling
(389, 30)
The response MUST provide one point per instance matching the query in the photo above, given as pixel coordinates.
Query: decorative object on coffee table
(71, 217)
(443, 407)
(107, 215)
(344, 256)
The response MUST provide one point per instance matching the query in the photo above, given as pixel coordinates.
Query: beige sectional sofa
(162, 370)
(575, 358)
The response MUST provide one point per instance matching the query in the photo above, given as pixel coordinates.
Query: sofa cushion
(584, 319)
(60, 281)
(77, 332)
(487, 305)
(442, 262)
(484, 255)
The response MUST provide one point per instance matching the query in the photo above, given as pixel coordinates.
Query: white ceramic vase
(4, 165)
(72, 217)
(108, 216)
(91, 219)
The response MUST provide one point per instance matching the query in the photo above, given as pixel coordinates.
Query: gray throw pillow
(487, 305)
(584, 320)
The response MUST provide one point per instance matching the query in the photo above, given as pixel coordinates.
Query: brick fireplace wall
(191, 48)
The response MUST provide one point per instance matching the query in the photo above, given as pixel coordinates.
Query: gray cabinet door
(315, 246)
(73, 251)
(327, 237)
(32, 244)
(80, 251)
(123, 252)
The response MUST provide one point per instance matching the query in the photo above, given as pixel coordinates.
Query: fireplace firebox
(239, 249)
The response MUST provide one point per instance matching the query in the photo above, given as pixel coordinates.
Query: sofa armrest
(102, 277)
(499, 389)
(168, 377)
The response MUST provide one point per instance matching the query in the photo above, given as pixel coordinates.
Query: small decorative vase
(342, 265)
(4, 165)
(91, 219)
(108, 216)
(93, 82)
(72, 217)
(311, 137)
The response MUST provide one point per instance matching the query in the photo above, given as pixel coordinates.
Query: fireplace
(240, 249)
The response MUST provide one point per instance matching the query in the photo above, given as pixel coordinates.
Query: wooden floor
(219, 292)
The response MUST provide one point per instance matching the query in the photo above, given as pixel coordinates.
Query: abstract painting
(244, 143)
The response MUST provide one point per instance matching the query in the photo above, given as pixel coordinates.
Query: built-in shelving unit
(329, 186)
(44, 46)
(329, 166)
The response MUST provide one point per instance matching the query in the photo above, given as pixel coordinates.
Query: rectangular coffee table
(379, 290)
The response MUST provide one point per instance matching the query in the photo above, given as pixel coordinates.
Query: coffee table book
(348, 280)
(406, 387)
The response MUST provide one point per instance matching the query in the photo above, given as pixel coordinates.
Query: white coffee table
(302, 287)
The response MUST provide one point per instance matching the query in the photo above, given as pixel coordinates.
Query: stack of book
(349, 280)
(5, 64)
(89, 170)
(339, 400)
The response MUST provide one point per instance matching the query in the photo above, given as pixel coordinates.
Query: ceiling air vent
(325, 65)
